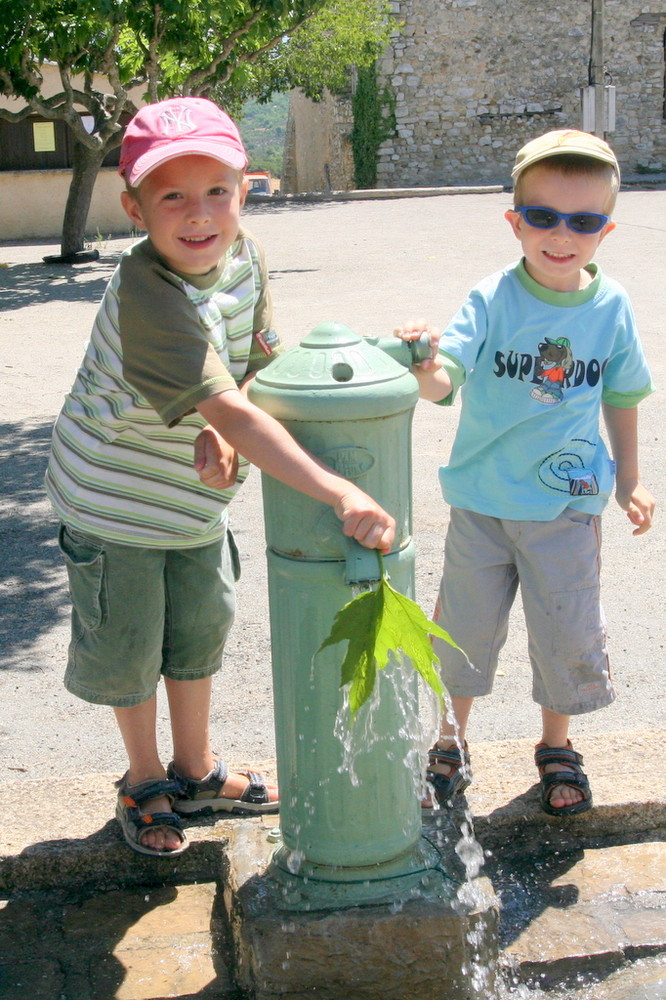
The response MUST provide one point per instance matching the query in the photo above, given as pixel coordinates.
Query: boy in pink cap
(539, 351)
(152, 443)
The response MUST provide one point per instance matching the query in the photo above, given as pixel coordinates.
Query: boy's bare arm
(434, 382)
(632, 496)
(215, 459)
(266, 444)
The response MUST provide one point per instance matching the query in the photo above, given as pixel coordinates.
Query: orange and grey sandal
(573, 776)
(134, 823)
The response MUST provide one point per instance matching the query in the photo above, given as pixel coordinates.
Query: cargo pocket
(84, 558)
(578, 629)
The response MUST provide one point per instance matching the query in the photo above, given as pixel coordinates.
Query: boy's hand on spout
(364, 520)
(412, 330)
(215, 460)
(638, 503)
(434, 381)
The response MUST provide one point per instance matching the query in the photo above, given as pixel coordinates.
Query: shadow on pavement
(31, 572)
(27, 284)
(74, 944)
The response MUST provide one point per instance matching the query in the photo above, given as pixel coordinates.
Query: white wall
(33, 204)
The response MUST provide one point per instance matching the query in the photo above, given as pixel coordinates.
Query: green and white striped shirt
(121, 464)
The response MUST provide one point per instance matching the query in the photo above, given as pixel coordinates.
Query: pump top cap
(561, 142)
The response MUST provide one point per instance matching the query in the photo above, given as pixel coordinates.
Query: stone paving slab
(643, 981)
(85, 919)
(128, 944)
(626, 772)
(608, 908)
(61, 833)
(67, 822)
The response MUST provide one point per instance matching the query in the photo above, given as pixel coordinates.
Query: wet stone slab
(570, 907)
(646, 980)
(441, 932)
(129, 944)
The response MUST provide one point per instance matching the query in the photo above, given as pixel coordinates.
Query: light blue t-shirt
(536, 366)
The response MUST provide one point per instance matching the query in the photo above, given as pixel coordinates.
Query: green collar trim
(200, 281)
(565, 299)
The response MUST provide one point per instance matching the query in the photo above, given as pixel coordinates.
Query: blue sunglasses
(547, 218)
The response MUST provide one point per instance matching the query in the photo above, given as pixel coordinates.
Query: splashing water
(295, 861)
(469, 850)
(360, 735)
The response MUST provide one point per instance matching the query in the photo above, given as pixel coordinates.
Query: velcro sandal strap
(170, 819)
(144, 790)
(570, 778)
(210, 785)
(256, 791)
(544, 755)
(450, 756)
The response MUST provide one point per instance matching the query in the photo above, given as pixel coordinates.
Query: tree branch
(198, 82)
(199, 79)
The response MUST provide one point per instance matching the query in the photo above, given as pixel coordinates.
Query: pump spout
(362, 565)
(406, 352)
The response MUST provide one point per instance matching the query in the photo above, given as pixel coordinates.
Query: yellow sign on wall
(43, 137)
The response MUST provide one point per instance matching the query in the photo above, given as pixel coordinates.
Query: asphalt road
(368, 264)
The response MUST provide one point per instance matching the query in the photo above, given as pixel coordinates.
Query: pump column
(350, 404)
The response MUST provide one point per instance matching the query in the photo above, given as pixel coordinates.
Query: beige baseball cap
(564, 141)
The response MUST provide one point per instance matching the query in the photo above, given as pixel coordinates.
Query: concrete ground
(583, 911)
(368, 265)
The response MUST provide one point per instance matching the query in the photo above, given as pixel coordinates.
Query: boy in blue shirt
(539, 350)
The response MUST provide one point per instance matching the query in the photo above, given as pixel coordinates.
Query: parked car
(259, 183)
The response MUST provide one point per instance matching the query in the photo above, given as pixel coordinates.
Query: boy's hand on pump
(412, 330)
(364, 520)
(434, 381)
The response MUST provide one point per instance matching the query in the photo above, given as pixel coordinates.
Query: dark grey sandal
(134, 823)
(574, 778)
(447, 786)
(203, 795)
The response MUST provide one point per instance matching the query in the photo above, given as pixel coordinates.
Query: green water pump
(346, 833)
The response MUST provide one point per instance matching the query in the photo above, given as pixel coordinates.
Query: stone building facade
(317, 153)
(474, 79)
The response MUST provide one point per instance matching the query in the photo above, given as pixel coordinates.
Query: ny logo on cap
(177, 120)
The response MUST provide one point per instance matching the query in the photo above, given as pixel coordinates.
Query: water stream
(419, 730)
(643, 979)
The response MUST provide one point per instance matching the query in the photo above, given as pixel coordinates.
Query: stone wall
(475, 79)
(318, 154)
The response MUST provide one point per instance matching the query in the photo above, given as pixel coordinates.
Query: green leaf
(377, 625)
(357, 622)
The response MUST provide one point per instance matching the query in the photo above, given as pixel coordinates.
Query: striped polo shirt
(121, 464)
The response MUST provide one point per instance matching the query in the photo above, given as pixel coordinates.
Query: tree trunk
(86, 163)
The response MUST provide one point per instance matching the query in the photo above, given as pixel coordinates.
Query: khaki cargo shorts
(556, 564)
(140, 613)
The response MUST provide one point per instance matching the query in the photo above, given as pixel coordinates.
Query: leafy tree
(263, 127)
(343, 33)
(226, 49)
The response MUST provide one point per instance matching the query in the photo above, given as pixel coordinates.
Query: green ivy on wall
(374, 122)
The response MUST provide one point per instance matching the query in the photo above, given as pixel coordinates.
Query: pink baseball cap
(181, 125)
